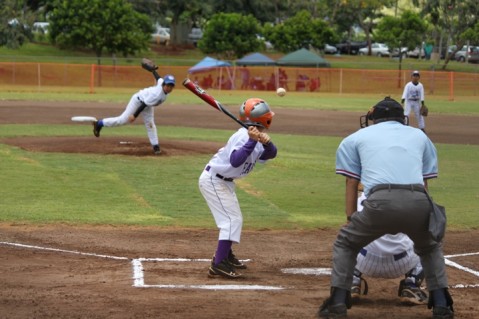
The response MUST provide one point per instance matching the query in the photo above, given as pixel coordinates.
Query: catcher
(143, 102)
(413, 95)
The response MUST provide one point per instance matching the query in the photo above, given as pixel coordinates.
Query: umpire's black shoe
(235, 262)
(442, 313)
(223, 269)
(332, 311)
(156, 149)
(96, 129)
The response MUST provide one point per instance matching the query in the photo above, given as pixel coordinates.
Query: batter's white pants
(223, 203)
(147, 114)
(415, 107)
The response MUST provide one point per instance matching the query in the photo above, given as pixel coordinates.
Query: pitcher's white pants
(147, 114)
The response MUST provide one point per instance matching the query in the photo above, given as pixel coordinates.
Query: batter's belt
(411, 187)
(226, 179)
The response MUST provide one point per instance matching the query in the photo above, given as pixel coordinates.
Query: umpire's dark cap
(387, 110)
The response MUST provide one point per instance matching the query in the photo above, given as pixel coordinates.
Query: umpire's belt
(396, 257)
(226, 179)
(411, 187)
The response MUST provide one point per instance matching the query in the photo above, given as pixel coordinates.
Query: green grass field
(297, 190)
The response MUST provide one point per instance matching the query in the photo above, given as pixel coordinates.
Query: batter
(235, 160)
(142, 102)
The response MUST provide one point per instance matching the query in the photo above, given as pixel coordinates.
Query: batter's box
(180, 272)
(465, 263)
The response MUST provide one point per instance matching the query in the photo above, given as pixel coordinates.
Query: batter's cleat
(223, 269)
(156, 149)
(411, 295)
(232, 260)
(96, 129)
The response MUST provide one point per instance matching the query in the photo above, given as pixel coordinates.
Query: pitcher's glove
(424, 110)
(148, 65)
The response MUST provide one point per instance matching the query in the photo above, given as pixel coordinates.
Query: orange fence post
(451, 86)
(92, 79)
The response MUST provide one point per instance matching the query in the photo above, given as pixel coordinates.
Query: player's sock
(224, 247)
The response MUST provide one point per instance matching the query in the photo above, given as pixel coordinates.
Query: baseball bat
(202, 94)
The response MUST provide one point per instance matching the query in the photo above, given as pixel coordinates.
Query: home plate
(125, 142)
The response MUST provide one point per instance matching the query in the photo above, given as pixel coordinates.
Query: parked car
(161, 36)
(195, 35)
(474, 57)
(464, 53)
(377, 49)
(417, 53)
(329, 49)
(395, 52)
(350, 47)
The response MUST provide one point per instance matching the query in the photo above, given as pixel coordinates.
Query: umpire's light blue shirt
(387, 153)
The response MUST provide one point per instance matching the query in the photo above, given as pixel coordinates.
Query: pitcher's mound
(133, 146)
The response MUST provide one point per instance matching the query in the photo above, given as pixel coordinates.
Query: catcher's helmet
(385, 110)
(169, 79)
(256, 112)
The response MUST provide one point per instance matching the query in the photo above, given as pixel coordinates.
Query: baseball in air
(281, 92)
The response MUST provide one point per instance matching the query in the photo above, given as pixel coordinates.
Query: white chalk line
(63, 251)
(139, 278)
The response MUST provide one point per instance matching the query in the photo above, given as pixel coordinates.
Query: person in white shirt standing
(413, 96)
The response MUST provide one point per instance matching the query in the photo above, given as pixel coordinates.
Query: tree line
(233, 28)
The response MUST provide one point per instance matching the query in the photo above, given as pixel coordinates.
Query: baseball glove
(148, 65)
(424, 110)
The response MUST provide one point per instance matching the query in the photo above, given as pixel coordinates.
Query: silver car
(377, 49)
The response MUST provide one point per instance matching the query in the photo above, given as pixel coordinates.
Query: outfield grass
(299, 189)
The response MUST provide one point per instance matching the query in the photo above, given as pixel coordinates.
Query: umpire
(393, 161)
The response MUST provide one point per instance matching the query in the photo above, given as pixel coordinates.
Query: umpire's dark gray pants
(389, 212)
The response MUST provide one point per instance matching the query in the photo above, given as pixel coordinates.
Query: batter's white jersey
(151, 96)
(413, 95)
(389, 256)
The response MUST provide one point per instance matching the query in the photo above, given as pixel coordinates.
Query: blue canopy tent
(209, 64)
(256, 59)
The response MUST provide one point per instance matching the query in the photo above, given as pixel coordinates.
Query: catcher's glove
(148, 65)
(424, 110)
